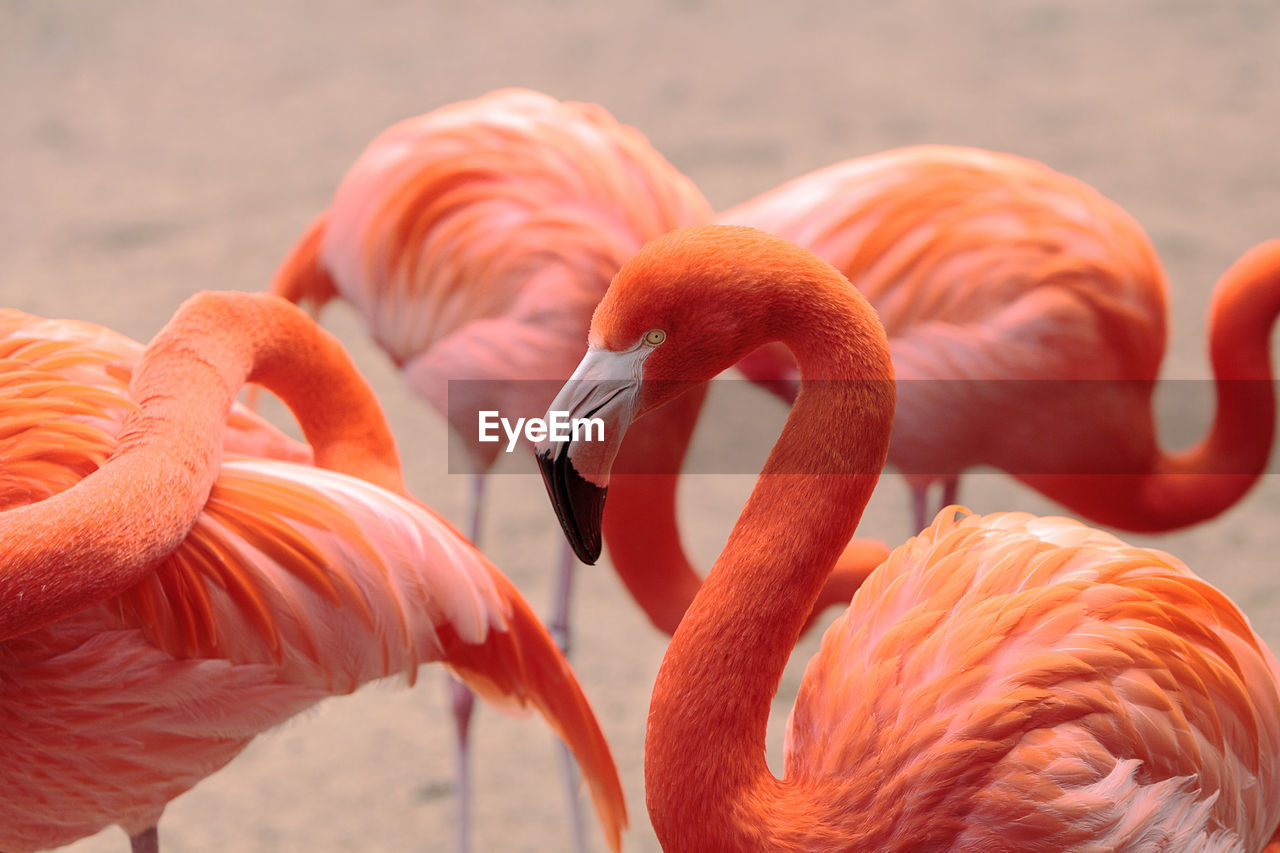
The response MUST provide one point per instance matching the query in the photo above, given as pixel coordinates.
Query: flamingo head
(687, 306)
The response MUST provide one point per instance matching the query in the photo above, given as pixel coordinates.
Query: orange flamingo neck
(642, 531)
(1202, 481)
(705, 746)
(99, 537)
(640, 525)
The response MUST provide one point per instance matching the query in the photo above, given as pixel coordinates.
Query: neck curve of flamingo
(849, 342)
(728, 715)
(1185, 487)
(642, 530)
(170, 451)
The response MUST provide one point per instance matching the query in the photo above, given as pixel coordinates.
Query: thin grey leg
(463, 702)
(147, 841)
(920, 506)
(558, 626)
(950, 491)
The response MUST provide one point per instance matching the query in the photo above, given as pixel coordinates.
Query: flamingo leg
(462, 702)
(558, 627)
(950, 493)
(477, 504)
(920, 510)
(920, 506)
(147, 841)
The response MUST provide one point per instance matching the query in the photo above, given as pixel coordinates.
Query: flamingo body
(1026, 315)
(1077, 693)
(294, 583)
(476, 239)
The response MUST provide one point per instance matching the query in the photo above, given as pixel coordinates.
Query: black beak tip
(579, 504)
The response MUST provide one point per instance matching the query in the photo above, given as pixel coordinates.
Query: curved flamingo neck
(705, 745)
(643, 537)
(643, 534)
(98, 538)
(1246, 303)
(1200, 482)
(640, 526)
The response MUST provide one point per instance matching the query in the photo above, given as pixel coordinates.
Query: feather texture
(294, 584)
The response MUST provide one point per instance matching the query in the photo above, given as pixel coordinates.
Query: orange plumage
(1026, 314)
(476, 239)
(1073, 691)
(293, 582)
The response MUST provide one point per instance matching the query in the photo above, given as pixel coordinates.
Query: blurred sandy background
(149, 150)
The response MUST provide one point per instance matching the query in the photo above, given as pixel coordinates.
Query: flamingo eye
(653, 337)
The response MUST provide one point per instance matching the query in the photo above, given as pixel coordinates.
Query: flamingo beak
(593, 410)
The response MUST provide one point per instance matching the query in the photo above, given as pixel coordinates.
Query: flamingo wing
(1010, 679)
(336, 582)
(476, 240)
(1001, 284)
(947, 234)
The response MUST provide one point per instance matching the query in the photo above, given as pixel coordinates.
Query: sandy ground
(149, 150)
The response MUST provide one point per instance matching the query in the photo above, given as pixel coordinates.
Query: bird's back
(941, 236)
(1018, 301)
(447, 217)
(295, 584)
(1008, 680)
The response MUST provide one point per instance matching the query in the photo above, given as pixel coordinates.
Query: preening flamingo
(1026, 315)
(1001, 682)
(160, 606)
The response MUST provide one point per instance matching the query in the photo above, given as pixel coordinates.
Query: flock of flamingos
(180, 576)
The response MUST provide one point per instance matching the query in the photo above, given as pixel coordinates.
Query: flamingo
(161, 605)
(1002, 284)
(1000, 682)
(475, 241)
